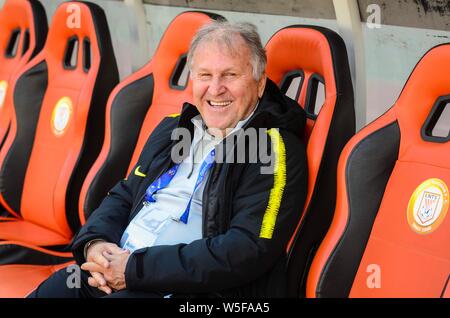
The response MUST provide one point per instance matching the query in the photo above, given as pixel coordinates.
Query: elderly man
(203, 223)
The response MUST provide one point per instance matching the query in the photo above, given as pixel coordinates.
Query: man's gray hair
(225, 32)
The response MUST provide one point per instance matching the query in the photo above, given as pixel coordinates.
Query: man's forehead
(240, 55)
(234, 46)
(206, 65)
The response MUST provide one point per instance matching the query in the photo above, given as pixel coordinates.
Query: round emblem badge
(3, 87)
(428, 206)
(61, 115)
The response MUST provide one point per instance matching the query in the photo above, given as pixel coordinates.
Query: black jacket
(239, 254)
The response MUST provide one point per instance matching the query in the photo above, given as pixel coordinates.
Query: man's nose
(216, 87)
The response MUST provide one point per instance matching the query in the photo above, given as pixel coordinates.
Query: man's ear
(262, 85)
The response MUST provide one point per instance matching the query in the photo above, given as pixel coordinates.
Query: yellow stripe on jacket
(276, 193)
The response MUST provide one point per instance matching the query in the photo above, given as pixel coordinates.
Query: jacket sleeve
(110, 219)
(266, 209)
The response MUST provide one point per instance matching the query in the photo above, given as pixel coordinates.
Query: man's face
(224, 89)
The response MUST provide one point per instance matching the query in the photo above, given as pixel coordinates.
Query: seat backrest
(390, 234)
(301, 59)
(23, 30)
(138, 104)
(59, 101)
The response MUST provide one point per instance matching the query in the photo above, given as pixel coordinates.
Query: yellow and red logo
(3, 88)
(428, 206)
(61, 115)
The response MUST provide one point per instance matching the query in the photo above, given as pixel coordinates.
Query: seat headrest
(78, 25)
(306, 48)
(315, 55)
(427, 88)
(26, 20)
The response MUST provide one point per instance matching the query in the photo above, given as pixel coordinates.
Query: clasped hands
(106, 263)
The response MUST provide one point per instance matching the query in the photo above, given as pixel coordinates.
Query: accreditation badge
(145, 228)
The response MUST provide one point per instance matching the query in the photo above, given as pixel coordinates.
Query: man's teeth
(219, 104)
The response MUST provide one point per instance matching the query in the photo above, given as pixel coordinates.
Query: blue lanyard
(163, 181)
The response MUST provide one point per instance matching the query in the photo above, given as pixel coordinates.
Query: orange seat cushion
(18, 281)
(29, 233)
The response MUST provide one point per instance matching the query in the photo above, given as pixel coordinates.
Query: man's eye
(204, 76)
(230, 74)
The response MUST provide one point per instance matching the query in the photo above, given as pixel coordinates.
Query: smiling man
(202, 225)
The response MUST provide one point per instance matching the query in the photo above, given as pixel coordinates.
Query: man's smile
(219, 105)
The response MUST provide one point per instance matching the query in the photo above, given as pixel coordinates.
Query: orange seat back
(23, 30)
(138, 104)
(390, 234)
(315, 55)
(59, 103)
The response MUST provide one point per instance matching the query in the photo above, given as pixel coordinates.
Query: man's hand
(95, 252)
(111, 277)
(96, 255)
